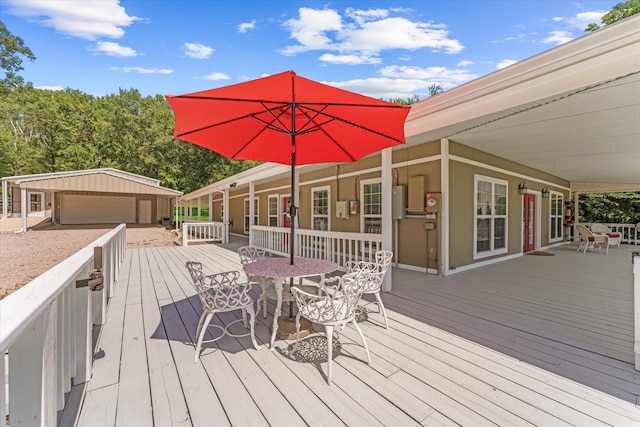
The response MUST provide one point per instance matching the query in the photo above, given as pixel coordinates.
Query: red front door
(529, 215)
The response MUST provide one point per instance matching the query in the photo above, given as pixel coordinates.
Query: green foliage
(44, 131)
(617, 13)
(618, 208)
(12, 49)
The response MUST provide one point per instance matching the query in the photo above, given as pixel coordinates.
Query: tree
(12, 49)
(617, 13)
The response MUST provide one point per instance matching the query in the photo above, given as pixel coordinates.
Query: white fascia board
(258, 173)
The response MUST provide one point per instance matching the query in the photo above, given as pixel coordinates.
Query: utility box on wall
(342, 209)
(399, 202)
(417, 191)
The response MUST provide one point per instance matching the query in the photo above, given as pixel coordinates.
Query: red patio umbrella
(285, 118)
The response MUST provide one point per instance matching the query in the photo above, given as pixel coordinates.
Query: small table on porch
(280, 270)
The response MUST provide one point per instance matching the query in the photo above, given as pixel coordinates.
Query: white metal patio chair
(588, 240)
(249, 254)
(375, 277)
(615, 238)
(334, 306)
(219, 293)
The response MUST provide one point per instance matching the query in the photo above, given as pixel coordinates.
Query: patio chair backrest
(249, 254)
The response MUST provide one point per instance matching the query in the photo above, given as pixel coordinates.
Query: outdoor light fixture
(522, 188)
(545, 193)
(232, 185)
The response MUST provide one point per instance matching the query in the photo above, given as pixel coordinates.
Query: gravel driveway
(24, 256)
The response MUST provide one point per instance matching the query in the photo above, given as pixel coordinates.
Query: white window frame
(491, 216)
(558, 215)
(41, 202)
(364, 228)
(246, 213)
(314, 190)
(277, 214)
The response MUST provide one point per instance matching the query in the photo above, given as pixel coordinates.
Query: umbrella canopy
(285, 118)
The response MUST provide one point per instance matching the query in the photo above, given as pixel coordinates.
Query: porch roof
(102, 180)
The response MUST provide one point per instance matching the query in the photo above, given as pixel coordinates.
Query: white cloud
(364, 33)
(216, 76)
(197, 50)
(349, 59)
(141, 70)
(114, 49)
(505, 63)
(406, 81)
(464, 63)
(558, 37)
(242, 28)
(51, 88)
(88, 19)
(581, 20)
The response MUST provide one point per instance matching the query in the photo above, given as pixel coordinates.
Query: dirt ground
(24, 256)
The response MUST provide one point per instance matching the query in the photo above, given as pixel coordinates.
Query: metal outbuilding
(94, 196)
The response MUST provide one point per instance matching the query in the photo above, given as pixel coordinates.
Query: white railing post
(83, 328)
(32, 368)
(185, 233)
(636, 305)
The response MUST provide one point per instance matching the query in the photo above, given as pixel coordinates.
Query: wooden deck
(538, 340)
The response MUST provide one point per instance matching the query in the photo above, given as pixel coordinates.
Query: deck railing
(202, 232)
(635, 256)
(338, 247)
(630, 232)
(46, 331)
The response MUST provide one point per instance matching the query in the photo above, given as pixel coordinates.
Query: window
(320, 197)
(490, 216)
(371, 191)
(35, 202)
(246, 214)
(556, 217)
(273, 210)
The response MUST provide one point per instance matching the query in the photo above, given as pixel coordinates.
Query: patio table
(280, 270)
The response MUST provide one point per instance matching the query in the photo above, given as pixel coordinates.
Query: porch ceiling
(572, 111)
(590, 138)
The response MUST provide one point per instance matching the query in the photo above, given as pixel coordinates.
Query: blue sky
(385, 49)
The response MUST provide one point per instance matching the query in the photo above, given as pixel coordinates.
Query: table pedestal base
(287, 327)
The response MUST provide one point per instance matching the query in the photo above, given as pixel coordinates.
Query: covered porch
(536, 340)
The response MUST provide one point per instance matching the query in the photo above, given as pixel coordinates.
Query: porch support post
(387, 221)
(577, 213)
(225, 213)
(252, 194)
(199, 209)
(23, 208)
(443, 249)
(5, 198)
(210, 207)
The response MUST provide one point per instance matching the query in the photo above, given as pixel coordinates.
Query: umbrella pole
(292, 209)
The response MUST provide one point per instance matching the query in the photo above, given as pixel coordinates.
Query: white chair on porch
(335, 305)
(220, 293)
(588, 240)
(615, 238)
(249, 254)
(376, 272)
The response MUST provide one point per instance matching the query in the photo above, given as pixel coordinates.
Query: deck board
(523, 342)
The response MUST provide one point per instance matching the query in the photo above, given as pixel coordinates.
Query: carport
(95, 196)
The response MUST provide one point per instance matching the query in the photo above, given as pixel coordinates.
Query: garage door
(83, 209)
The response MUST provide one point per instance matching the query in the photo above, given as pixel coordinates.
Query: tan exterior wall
(416, 246)
(462, 202)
